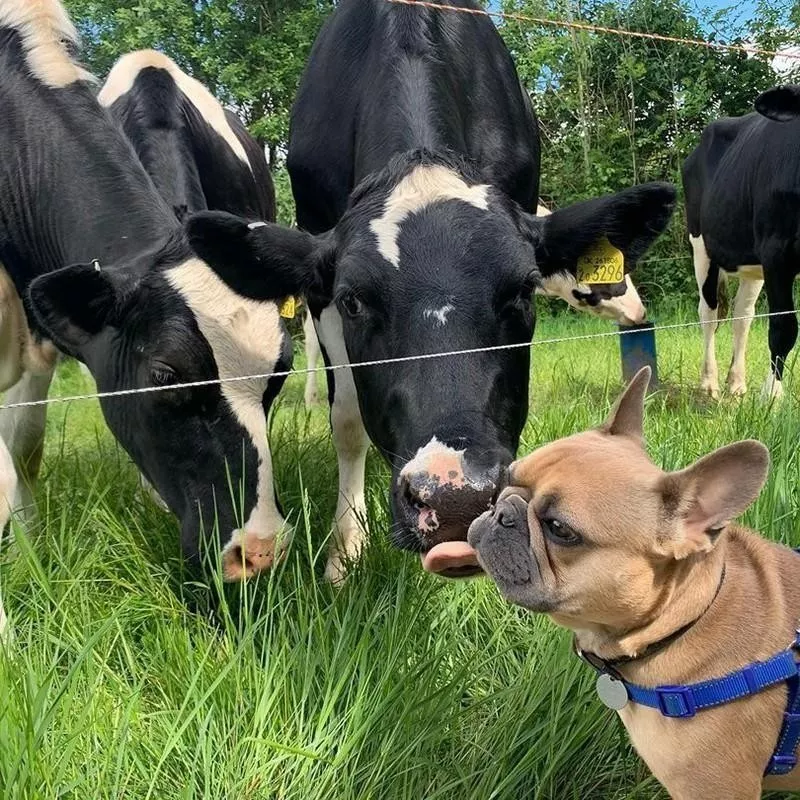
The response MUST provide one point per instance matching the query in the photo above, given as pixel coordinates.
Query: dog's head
(591, 531)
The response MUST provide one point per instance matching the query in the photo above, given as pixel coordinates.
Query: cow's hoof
(711, 388)
(737, 388)
(772, 389)
(335, 570)
(341, 561)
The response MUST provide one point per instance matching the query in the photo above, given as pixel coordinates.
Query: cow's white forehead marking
(124, 73)
(422, 187)
(245, 337)
(44, 27)
(439, 315)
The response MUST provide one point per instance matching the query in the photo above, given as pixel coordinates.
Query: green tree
(249, 53)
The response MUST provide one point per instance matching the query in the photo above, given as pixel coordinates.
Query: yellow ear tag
(289, 308)
(602, 263)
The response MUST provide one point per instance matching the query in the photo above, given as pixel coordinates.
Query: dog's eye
(562, 534)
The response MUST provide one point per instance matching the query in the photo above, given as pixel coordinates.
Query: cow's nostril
(240, 558)
(411, 498)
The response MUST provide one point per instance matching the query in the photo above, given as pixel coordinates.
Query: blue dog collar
(683, 702)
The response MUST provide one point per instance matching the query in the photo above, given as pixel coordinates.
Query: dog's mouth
(452, 560)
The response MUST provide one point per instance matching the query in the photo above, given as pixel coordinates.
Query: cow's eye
(528, 287)
(163, 375)
(351, 305)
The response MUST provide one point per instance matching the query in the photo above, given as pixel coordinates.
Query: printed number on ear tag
(289, 308)
(612, 693)
(602, 263)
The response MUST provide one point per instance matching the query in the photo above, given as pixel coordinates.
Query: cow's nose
(248, 554)
(440, 507)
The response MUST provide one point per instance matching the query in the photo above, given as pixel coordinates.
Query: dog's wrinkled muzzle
(501, 539)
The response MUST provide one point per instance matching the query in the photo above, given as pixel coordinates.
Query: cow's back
(384, 79)
(230, 184)
(736, 182)
(199, 155)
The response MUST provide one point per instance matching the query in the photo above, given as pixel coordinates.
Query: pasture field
(122, 683)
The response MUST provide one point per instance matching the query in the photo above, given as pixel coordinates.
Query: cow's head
(430, 259)
(781, 103)
(169, 320)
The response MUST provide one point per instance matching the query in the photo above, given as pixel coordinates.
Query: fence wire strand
(586, 26)
(376, 363)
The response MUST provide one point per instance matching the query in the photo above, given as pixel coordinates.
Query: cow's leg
(8, 490)
(351, 442)
(312, 359)
(22, 430)
(147, 488)
(744, 309)
(782, 329)
(708, 285)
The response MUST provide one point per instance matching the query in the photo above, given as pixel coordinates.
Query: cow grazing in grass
(414, 159)
(198, 154)
(742, 186)
(137, 306)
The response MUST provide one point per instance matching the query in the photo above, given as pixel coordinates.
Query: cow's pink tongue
(449, 555)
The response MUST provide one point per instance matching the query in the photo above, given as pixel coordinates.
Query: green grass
(122, 684)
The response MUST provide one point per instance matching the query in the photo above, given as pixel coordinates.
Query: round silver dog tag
(611, 692)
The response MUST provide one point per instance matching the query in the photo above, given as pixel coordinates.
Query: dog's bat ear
(704, 498)
(627, 416)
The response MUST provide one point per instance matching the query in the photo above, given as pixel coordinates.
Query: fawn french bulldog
(690, 619)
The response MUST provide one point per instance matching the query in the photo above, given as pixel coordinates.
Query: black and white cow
(198, 154)
(742, 186)
(137, 306)
(414, 159)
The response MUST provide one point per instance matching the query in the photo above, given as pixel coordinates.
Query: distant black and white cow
(414, 159)
(742, 186)
(138, 307)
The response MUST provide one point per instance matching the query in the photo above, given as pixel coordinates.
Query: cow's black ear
(781, 103)
(75, 303)
(629, 221)
(259, 260)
